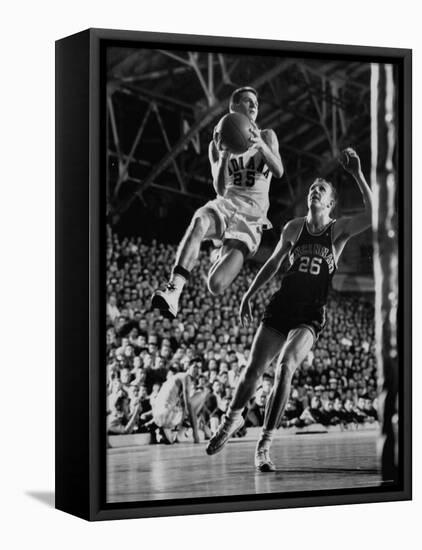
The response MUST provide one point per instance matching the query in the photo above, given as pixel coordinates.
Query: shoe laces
(264, 455)
(225, 425)
(171, 287)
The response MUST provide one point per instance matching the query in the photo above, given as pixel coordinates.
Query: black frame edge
(255, 43)
(403, 57)
(85, 500)
(406, 280)
(96, 266)
(72, 258)
(248, 506)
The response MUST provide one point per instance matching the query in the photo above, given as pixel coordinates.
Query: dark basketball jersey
(312, 266)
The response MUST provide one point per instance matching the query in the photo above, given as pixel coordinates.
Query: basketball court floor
(305, 462)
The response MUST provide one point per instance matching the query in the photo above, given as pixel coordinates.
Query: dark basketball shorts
(282, 317)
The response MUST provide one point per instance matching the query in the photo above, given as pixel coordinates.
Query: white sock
(178, 281)
(234, 414)
(265, 438)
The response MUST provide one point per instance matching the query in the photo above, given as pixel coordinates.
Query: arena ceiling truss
(162, 107)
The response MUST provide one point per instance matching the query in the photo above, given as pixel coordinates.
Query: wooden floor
(304, 462)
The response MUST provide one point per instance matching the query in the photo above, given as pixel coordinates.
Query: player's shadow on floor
(45, 497)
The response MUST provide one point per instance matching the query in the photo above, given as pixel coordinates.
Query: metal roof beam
(160, 99)
(324, 73)
(211, 113)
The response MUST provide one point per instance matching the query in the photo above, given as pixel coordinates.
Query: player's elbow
(274, 263)
(278, 170)
(219, 185)
(220, 190)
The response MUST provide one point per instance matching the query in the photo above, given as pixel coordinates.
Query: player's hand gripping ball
(233, 133)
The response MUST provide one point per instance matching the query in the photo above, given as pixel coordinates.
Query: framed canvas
(233, 277)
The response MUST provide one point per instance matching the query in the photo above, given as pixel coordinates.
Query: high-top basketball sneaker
(167, 301)
(225, 430)
(263, 462)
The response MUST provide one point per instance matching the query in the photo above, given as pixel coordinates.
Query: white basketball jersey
(248, 183)
(169, 394)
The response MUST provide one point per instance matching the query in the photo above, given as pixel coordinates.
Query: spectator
(313, 413)
(328, 414)
(155, 374)
(143, 348)
(291, 414)
(120, 420)
(255, 415)
(370, 410)
(349, 416)
(112, 309)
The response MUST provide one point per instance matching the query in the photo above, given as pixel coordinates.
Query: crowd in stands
(335, 385)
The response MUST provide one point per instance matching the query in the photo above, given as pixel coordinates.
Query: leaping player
(295, 314)
(239, 213)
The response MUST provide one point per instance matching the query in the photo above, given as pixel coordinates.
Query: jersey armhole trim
(328, 226)
(332, 244)
(298, 235)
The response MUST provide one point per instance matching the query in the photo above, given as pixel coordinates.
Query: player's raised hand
(350, 161)
(245, 311)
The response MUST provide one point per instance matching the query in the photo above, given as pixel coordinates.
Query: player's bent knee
(288, 366)
(253, 371)
(214, 288)
(216, 285)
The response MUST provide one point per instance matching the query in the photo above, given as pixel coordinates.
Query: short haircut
(235, 97)
(333, 189)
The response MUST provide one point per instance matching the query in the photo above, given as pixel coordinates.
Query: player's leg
(170, 435)
(172, 423)
(205, 223)
(242, 237)
(228, 266)
(298, 344)
(266, 345)
(197, 402)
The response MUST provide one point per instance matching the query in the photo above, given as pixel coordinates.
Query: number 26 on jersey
(310, 265)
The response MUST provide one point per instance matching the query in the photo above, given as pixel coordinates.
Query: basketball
(233, 131)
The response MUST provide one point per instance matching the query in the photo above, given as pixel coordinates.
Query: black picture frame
(80, 265)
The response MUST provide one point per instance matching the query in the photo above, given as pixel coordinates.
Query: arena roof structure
(162, 107)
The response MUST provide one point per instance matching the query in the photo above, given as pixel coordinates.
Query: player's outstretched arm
(267, 271)
(349, 226)
(219, 161)
(267, 143)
